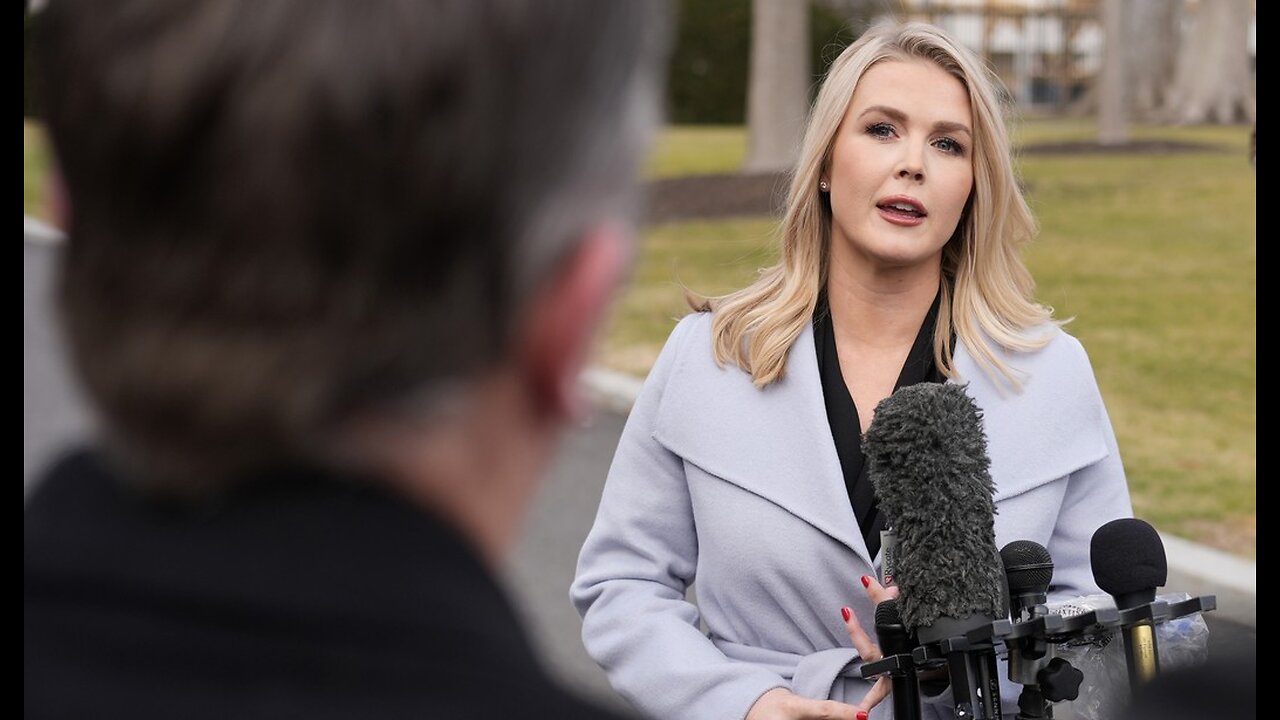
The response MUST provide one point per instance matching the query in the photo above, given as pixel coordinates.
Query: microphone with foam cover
(928, 462)
(1129, 563)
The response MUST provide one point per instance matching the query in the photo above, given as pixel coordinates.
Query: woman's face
(901, 168)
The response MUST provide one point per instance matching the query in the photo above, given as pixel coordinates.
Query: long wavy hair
(986, 290)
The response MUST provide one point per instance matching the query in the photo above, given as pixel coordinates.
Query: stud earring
(823, 186)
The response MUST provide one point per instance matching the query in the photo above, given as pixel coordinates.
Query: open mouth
(905, 209)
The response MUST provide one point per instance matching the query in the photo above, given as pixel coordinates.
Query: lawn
(35, 170)
(1155, 257)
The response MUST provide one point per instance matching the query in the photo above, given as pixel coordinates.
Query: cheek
(958, 185)
(860, 169)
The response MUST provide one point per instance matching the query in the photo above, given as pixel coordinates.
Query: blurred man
(333, 270)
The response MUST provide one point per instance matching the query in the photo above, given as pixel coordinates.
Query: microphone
(894, 640)
(1033, 663)
(1029, 570)
(928, 462)
(1129, 563)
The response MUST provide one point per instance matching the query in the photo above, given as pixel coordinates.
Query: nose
(911, 165)
(911, 173)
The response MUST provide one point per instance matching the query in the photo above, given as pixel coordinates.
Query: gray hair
(288, 213)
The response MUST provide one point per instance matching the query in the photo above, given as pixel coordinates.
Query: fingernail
(866, 581)
(862, 715)
(846, 613)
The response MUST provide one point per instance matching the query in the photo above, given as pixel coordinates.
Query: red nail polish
(862, 715)
(866, 581)
(846, 613)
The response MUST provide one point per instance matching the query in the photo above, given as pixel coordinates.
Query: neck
(470, 464)
(880, 308)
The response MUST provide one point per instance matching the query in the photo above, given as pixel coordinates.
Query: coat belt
(815, 675)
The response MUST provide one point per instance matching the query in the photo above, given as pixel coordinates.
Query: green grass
(1033, 131)
(1157, 258)
(35, 170)
(711, 258)
(1155, 255)
(697, 150)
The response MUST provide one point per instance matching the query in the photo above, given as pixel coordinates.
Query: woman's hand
(862, 642)
(867, 649)
(878, 594)
(782, 704)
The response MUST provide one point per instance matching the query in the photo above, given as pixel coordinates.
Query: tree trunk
(778, 90)
(1151, 44)
(1113, 106)
(1213, 82)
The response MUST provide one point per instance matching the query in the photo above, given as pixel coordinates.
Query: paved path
(52, 411)
(544, 564)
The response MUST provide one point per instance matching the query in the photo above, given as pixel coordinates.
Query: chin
(904, 259)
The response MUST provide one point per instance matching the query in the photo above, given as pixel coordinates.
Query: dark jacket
(302, 595)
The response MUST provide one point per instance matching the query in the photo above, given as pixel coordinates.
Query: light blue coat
(741, 489)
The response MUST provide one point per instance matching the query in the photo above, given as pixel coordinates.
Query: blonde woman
(740, 465)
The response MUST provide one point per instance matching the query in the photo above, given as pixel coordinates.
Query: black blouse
(842, 414)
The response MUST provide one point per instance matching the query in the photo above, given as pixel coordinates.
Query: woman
(740, 464)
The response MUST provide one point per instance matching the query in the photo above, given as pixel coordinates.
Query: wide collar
(776, 442)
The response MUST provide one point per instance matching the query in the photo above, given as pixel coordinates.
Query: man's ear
(59, 201)
(565, 314)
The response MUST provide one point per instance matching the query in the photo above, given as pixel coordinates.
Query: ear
(59, 201)
(563, 319)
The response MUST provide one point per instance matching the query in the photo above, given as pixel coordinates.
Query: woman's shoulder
(687, 344)
(1050, 426)
(690, 341)
(687, 391)
(1061, 350)
(1055, 379)
(1045, 351)
(697, 322)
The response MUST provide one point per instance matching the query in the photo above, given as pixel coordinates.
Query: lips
(902, 206)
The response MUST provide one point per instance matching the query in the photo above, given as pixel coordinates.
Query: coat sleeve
(634, 571)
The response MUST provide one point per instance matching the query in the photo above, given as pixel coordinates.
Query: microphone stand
(970, 656)
(901, 669)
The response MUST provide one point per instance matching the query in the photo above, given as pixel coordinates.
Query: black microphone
(928, 462)
(1129, 563)
(894, 639)
(1029, 570)
(1033, 664)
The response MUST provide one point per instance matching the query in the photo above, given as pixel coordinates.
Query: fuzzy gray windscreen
(931, 473)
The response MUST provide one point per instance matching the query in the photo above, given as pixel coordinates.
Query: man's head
(291, 216)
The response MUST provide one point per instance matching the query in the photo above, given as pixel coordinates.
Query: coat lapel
(775, 442)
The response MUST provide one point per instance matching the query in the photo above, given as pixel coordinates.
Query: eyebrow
(899, 116)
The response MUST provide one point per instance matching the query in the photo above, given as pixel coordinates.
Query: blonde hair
(985, 287)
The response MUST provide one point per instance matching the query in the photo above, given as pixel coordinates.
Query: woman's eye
(947, 145)
(880, 130)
